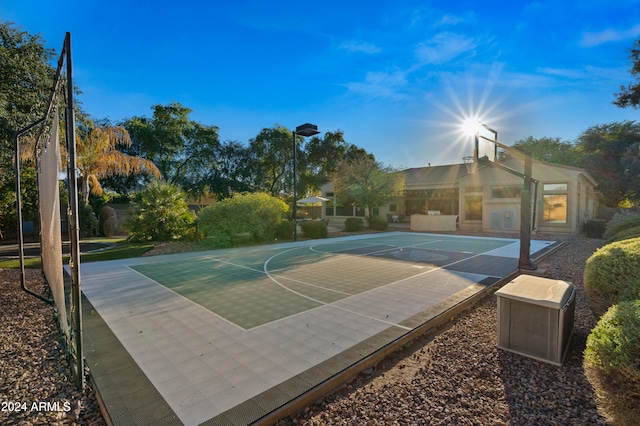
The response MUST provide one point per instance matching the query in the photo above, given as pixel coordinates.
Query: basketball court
(228, 336)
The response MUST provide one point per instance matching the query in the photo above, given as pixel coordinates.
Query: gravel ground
(36, 386)
(452, 376)
(457, 376)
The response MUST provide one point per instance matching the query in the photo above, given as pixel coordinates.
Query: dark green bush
(88, 222)
(353, 224)
(613, 346)
(625, 235)
(314, 229)
(159, 213)
(284, 230)
(620, 223)
(378, 223)
(611, 275)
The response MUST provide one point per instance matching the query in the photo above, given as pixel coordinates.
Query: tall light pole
(302, 130)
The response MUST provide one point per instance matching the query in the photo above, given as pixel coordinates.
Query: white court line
(362, 255)
(274, 277)
(173, 292)
(266, 271)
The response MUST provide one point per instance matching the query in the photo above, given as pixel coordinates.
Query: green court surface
(230, 337)
(267, 285)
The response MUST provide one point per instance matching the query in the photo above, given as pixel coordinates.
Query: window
(554, 187)
(473, 207)
(505, 192)
(555, 203)
(473, 203)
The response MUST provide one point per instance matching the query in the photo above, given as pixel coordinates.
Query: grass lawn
(122, 250)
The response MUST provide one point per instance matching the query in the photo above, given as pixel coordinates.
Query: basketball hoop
(471, 164)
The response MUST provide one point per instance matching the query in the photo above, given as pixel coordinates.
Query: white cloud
(591, 39)
(592, 74)
(563, 72)
(360, 46)
(444, 47)
(379, 84)
(451, 19)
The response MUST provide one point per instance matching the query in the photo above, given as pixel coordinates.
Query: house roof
(451, 173)
(519, 166)
(434, 174)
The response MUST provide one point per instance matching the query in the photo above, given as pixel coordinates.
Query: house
(563, 200)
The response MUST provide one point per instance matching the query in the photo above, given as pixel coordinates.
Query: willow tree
(99, 157)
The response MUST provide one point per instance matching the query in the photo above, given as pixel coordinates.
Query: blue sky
(396, 77)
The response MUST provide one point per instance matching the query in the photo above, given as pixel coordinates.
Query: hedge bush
(378, 223)
(353, 224)
(613, 346)
(314, 229)
(627, 234)
(620, 222)
(244, 218)
(611, 275)
(88, 221)
(284, 230)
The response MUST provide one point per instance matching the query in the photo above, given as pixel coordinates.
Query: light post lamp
(302, 130)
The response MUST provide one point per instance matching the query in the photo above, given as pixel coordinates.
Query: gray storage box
(535, 317)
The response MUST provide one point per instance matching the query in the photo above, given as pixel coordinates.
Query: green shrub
(611, 275)
(284, 230)
(314, 229)
(159, 213)
(88, 222)
(620, 222)
(627, 234)
(613, 346)
(378, 223)
(353, 224)
(249, 217)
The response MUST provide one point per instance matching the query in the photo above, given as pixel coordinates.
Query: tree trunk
(85, 189)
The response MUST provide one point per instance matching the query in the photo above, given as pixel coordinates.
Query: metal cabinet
(535, 317)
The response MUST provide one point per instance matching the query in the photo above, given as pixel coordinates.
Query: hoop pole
(74, 234)
(525, 218)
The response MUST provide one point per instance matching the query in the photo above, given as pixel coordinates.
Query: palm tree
(99, 158)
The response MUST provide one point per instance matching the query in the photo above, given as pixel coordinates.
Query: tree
(183, 150)
(234, 171)
(323, 154)
(367, 183)
(272, 157)
(610, 153)
(26, 82)
(98, 156)
(24, 91)
(551, 150)
(629, 96)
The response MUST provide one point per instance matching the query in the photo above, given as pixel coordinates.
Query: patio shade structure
(314, 199)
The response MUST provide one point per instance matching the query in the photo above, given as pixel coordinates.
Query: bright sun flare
(471, 125)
